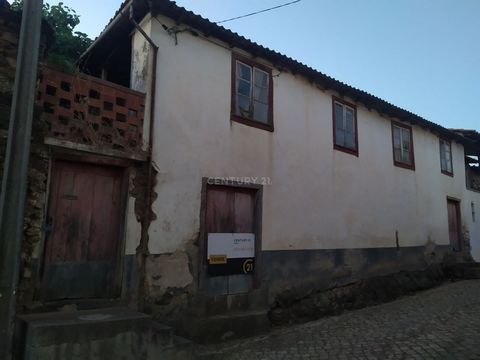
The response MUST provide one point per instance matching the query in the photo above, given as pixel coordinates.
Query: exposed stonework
(290, 307)
(168, 282)
(39, 157)
(35, 209)
(138, 191)
(169, 271)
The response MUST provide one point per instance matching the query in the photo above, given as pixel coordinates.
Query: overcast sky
(421, 55)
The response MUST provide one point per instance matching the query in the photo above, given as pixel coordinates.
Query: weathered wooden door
(454, 225)
(230, 210)
(85, 227)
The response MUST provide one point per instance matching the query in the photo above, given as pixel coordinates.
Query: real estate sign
(230, 253)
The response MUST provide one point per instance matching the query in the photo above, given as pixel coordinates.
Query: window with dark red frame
(446, 157)
(252, 93)
(402, 142)
(345, 136)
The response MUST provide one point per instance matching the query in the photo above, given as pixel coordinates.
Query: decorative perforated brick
(88, 110)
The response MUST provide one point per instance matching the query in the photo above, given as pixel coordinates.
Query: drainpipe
(142, 249)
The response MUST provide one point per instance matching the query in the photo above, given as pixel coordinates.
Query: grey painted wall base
(130, 280)
(307, 270)
(304, 270)
(299, 272)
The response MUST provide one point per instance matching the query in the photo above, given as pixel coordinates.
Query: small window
(345, 127)
(446, 157)
(252, 94)
(402, 138)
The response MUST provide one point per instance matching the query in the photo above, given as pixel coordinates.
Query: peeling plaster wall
(140, 75)
(169, 284)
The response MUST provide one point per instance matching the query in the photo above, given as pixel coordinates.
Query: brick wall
(87, 110)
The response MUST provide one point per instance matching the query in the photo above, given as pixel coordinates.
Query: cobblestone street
(440, 323)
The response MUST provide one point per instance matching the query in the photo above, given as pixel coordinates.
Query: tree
(68, 44)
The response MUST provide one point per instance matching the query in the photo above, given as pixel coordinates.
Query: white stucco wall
(140, 74)
(474, 227)
(140, 77)
(319, 198)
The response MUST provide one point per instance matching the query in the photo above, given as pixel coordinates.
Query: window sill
(252, 123)
(346, 150)
(404, 166)
(447, 173)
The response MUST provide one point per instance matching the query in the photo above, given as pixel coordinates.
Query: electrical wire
(258, 12)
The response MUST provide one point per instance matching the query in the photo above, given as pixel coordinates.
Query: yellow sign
(217, 259)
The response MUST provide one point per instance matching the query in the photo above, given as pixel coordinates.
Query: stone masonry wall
(39, 158)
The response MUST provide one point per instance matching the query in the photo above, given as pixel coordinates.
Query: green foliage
(68, 44)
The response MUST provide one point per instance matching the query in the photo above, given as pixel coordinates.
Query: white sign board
(233, 245)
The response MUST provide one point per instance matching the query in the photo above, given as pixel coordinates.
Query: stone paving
(440, 323)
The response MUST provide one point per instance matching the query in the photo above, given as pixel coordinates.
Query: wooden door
(454, 224)
(230, 210)
(85, 220)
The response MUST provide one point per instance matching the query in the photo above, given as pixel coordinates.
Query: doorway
(231, 238)
(84, 232)
(454, 224)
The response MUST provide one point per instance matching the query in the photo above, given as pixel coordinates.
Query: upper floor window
(345, 126)
(446, 157)
(252, 93)
(402, 138)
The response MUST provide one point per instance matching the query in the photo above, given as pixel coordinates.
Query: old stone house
(193, 173)
(262, 160)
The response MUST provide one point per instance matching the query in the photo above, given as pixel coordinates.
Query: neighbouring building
(195, 173)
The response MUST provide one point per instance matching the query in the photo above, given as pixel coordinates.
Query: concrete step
(115, 333)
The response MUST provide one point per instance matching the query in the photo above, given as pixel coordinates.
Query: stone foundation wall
(292, 308)
(303, 270)
(171, 285)
(173, 296)
(35, 215)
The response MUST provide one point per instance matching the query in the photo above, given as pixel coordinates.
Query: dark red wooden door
(229, 210)
(85, 214)
(454, 224)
